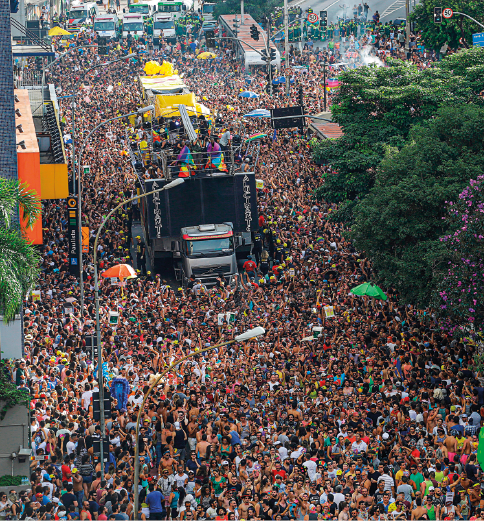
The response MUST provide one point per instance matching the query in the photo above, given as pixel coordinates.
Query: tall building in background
(8, 152)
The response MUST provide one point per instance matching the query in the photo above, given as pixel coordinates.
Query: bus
(134, 24)
(177, 8)
(147, 9)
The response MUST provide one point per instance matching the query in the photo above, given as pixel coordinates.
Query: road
(388, 9)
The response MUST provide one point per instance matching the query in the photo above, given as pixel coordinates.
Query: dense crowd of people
(373, 415)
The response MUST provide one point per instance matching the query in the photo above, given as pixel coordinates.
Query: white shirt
(311, 466)
(359, 447)
(86, 399)
(71, 447)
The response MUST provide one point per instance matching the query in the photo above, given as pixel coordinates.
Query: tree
(400, 222)
(460, 280)
(258, 10)
(376, 107)
(19, 260)
(449, 31)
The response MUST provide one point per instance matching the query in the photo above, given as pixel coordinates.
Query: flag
(274, 137)
(216, 158)
(480, 449)
(187, 165)
(399, 367)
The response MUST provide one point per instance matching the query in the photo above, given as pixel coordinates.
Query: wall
(14, 431)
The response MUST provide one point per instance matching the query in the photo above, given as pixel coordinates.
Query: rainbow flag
(255, 136)
(216, 158)
(187, 165)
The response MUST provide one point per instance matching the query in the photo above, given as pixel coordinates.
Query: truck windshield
(78, 14)
(208, 8)
(171, 8)
(133, 26)
(104, 26)
(164, 25)
(209, 245)
(137, 8)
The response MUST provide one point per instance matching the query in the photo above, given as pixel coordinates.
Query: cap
(431, 488)
(225, 462)
(74, 470)
(385, 436)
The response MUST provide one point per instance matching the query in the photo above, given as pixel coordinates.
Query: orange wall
(28, 159)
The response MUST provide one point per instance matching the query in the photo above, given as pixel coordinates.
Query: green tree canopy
(377, 106)
(400, 222)
(19, 260)
(449, 31)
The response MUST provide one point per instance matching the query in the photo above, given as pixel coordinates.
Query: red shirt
(280, 472)
(249, 265)
(66, 470)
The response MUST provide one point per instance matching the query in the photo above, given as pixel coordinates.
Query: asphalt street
(388, 9)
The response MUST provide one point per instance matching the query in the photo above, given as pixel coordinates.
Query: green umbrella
(369, 289)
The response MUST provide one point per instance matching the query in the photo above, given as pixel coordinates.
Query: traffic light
(323, 18)
(300, 95)
(437, 15)
(102, 46)
(96, 406)
(14, 4)
(254, 33)
(210, 39)
(273, 54)
(263, 56)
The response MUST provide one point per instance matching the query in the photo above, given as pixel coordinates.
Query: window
(164, 25)
(225, 245)
(133, 27)
(104, 26)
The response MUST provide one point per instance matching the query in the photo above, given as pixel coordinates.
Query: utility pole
(302, 29)
(242, 11)
(286, 46)
(325, 63)
(407, 26)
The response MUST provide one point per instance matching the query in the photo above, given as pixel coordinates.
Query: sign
(313, 18)
(36, 295)
(447, 13)
(85, 239)
(259, 184)
(86, 169)
(329, 311)
(287, 122)
(73, 236)
(478, 39)
(157, 209)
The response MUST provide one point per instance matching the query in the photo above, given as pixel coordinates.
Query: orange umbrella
(120, 271)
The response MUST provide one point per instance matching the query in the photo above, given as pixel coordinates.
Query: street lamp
(251, 333)
(142, 110)
(168, 186)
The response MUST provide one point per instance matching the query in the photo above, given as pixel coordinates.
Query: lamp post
(173, 183)
(251, 333)
(142, 110)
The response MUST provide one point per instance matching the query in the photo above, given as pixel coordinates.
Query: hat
(138, 237)
(74, 470)
(225, 462)
(277, 443)
(431, 488)
(385, 436)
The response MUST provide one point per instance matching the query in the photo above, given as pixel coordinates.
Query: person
(250, 267)
(140, 255)
(155, 501)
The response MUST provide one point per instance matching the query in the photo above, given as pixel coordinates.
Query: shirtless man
(244, 506)
(202, 447)
(167, 462)
(193, 427)
(364, 498)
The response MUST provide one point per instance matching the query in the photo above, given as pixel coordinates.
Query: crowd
(374, 416)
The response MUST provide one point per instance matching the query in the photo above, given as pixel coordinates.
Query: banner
(73, 236)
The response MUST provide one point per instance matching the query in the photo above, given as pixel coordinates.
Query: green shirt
(417, 479)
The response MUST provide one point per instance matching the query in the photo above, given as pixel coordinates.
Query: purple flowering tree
(461, 286)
